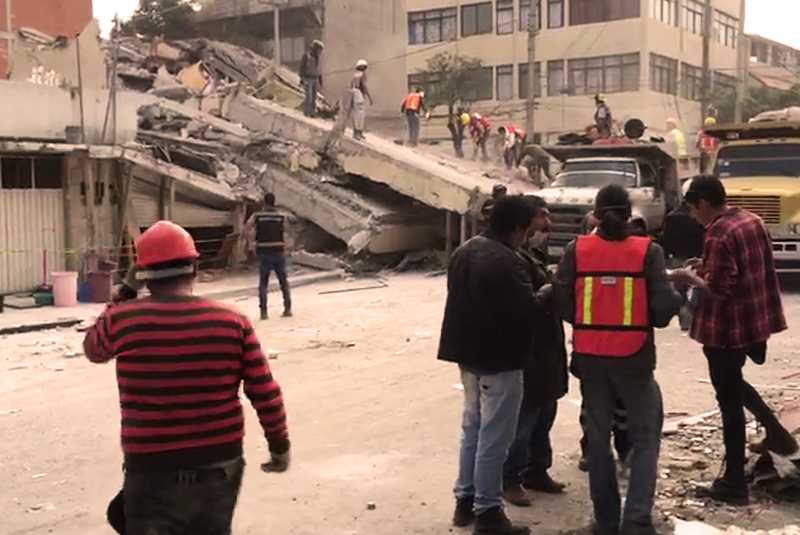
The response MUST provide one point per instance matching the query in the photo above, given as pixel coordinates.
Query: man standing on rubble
(359, 93)
(180, 360)
(486, 330)
(269, 227)
(613, 288)
(413, 105)
(311, 76)
(739, 310)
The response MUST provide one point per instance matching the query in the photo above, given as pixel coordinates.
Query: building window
(523, 80)
(663, 74)
(292, 49)
(555, 78)
(693, 16)
(432, 26)
(591, 11)
(24, 172)
(759, 51)
(724, 83)
(608, 74)
(691, 82)
(726, 29)
(479, 85)
(555, 13)
(778, 57)
(666, 11)
(505, 16)
(525, 14)
(427, 81)
(505, 82)
(476, 19)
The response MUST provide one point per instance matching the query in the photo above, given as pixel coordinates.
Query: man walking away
(359, 92)
(271, 251)
(739, 309)
(487, 332)
(613, 288)
(311, 76)
(545, 381)
(180, 362)
(602, 117)
(413, 105)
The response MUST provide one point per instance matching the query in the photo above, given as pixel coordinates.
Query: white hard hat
(362, 63)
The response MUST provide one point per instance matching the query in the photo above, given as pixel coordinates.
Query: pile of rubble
(693, 452)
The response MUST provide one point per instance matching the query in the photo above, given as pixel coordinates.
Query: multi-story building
(645, 56)
(773, 64)
(54, 17)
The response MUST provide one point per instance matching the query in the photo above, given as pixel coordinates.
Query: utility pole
(10, 30)
(708, 25)
(276, 14)
(533, 22)
(742, 64)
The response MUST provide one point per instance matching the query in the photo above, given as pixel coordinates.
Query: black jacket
(490, 308)
(546, 375)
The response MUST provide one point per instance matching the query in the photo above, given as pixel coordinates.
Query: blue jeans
(531, 452)
(267, 263)
(491, 409)
(413, 127)
(310, 103)
(602, 387)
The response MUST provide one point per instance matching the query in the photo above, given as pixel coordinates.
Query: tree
(758, 100)
(170, 18)
(451, 80)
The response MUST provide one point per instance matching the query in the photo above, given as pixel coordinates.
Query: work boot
(359, 135)
(722, 490)
(583, 464)
(287, 312)
(516, 495)
(542, 482)
(495, 522)
(464, 515)
(264, 315)
(778, 441)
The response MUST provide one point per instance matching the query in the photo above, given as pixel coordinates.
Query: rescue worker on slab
(602, 117)
(359, 93)
(311, 76)
(513, 140)
(413, 105)
(707, 145)
(180, 360)
(479, 130)
(269, 227)
(613, 288)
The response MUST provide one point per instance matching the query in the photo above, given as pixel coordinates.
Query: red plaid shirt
(742, 304)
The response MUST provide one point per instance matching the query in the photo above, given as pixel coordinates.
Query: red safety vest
(611, 305)
(708, 144)
(412, 102)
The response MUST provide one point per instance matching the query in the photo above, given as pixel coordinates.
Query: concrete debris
(701, 528)
(319, 261)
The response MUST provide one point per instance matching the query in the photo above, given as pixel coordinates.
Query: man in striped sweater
(180, 360)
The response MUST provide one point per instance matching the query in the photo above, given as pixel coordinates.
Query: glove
(279, 463)
(545, 294)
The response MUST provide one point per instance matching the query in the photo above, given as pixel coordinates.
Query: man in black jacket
(545, 381)
(490, 308)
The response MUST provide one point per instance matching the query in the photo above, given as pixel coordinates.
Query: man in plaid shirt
(739, 310)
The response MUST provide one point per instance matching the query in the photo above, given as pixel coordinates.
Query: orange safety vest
(611, 305)
(708, 144)
(413, 102)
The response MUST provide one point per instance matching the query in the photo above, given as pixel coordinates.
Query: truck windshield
(760, 160)
(596, 174)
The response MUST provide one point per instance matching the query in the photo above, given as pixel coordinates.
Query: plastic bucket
(99, 287)
(65, 288)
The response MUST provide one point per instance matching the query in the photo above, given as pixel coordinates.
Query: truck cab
(759, 163)
(646, 171)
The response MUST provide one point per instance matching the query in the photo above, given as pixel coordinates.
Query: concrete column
(464, 226)
(448, 234)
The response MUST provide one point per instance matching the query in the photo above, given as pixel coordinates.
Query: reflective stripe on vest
(611, 305)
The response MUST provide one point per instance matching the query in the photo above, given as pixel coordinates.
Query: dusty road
(373, 418)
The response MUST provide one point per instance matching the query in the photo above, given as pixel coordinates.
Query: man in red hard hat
(180, 362)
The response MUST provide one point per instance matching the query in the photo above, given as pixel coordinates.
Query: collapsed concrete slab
(403, 170)
(363, 224)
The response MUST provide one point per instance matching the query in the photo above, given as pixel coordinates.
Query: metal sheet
(32, 238)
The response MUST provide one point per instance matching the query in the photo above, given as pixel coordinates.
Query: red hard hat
(164, 242)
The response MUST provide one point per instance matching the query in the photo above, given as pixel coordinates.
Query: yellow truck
(759, 163)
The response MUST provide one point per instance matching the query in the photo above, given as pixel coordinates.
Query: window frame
(507, 72)
(691, 82)
(603, 65)
(550, 4)
(672, 13)
(694, 14)
(554, 66)
(432, 15)
(659, 63)
(522, 82)
(726, 29)
(504, 6)
(480, 92)
(477, 7)
(33, 163)
(598, 11)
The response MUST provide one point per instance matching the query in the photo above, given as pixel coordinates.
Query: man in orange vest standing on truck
(614, 289)
(707, 144)
(413, 105)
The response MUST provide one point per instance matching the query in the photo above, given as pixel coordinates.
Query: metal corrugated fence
(31, 237)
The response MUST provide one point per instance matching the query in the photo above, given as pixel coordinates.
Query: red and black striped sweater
(180, 362)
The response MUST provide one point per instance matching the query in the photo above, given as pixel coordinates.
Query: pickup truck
(647, 171)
